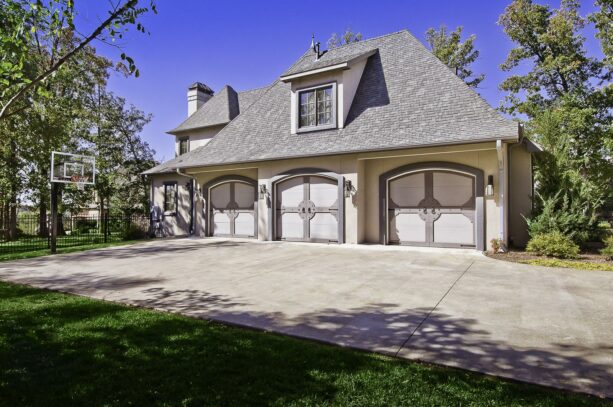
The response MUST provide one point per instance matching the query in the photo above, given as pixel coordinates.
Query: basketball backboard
(72, 168)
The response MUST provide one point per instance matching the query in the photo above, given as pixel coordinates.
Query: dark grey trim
(434, 165)
(271, 186)
(222, 180)
(164, 212)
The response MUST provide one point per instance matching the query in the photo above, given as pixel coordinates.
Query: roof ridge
(370, 39)
(251, 90)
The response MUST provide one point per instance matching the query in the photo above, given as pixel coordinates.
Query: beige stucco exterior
(361, 209)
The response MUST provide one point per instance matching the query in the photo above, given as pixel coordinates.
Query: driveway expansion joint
(433, 308)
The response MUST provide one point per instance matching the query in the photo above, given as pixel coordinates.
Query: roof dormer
(323, 86)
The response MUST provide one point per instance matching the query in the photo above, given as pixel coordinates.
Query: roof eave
(178, 131)
(341, 66)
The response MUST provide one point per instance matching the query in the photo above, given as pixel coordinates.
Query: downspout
(191, 199)
(501, 193)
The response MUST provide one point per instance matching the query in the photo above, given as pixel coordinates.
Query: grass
(60, 350)
(572, 264)
(61, 250)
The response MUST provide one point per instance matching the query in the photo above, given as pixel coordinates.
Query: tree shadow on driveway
(65, 350)
(388, 329)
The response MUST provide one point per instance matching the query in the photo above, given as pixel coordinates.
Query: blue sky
(248, 44)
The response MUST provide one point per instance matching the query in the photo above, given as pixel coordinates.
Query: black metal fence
(33, 234)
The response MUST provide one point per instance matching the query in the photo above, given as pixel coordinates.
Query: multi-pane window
(316, 107)
(183, 145)
(170, 197)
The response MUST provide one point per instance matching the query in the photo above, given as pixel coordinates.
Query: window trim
(333, 124)
(179, 140)
(166, 185)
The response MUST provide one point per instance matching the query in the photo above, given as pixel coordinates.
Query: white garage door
(432, 208)
(232, 209)
(307, 209)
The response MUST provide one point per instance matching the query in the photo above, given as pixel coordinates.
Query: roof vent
(315, 47)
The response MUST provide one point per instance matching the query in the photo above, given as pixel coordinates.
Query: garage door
(432, 208)
(307, 209)
(232, 209)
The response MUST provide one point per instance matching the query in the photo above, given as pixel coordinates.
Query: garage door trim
(388, 176)
(299, 172)
(206, 191)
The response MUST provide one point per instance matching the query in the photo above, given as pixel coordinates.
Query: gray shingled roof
(331, 57)
(220, 109)
(406, 98)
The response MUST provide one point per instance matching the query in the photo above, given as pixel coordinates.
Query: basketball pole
(53, 242)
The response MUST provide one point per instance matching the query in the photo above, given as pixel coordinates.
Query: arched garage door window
(231, 207)
(307, 206)
(432, 204)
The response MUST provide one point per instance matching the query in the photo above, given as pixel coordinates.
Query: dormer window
(317, 107)
(183, 145)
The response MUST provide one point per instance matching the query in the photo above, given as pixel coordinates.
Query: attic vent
(315, 47)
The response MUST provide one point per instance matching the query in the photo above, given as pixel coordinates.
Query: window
(183, 145)
(317, 107)
(170, 198)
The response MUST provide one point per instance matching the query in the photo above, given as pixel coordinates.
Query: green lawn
(60, 250)
(573, 264)
(59, 350)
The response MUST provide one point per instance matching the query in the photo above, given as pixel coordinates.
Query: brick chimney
(197, 95)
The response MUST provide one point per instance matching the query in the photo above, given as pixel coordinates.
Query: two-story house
(371, 142)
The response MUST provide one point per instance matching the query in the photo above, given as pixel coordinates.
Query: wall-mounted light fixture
(489, 189)
(263, 191)
(348, 188)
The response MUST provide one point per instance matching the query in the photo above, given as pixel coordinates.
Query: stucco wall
(177, 224)
(520, 194)
(197, 138)
(478, 156)
(363, 170)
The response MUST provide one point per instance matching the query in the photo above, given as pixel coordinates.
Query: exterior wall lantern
(348, 188)
(263, 191)
(489, 189)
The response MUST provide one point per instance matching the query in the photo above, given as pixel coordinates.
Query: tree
(121, 154)
(457, 55)
(552, 43)
(603, 20)
(26, 24)
(566, 103)
(347, 37)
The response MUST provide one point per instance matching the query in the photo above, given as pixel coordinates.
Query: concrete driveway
(457, 308)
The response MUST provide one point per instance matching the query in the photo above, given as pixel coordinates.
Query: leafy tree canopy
(347, 37)
(457, 55)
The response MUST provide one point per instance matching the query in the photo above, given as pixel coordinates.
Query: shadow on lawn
(61, 350)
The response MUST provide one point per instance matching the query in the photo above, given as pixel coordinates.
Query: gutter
(501, 191)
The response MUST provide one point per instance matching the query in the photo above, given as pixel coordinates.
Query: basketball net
(79, 181)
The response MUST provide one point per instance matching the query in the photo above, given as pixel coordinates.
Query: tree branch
(61, 61)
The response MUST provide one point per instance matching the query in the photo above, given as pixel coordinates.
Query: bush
(85, 225)
(496, 245)
(570, 218)
(133, 232)
(553, 244)
(608, 248)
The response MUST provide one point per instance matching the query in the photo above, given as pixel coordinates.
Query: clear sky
(248, 44)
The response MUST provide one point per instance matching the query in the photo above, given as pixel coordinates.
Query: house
(371, 142)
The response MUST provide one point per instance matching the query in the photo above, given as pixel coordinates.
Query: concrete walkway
(457, 308)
